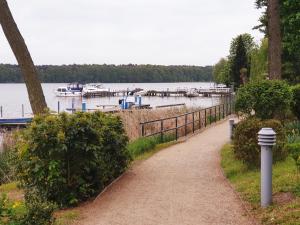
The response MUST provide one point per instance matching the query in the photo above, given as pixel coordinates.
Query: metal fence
(184, 124)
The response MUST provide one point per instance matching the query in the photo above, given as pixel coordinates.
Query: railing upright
(199, 119)
(205, 118)
(215, 119)
(143, 130)
(185, 125)
(193, 122)
(176, 130)
(162, 130)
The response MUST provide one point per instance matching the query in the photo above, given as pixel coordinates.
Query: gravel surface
(180, 185)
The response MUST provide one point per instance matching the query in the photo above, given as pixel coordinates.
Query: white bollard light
(231, 124)
(266, 139)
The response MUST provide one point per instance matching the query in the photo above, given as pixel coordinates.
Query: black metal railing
(186, 123)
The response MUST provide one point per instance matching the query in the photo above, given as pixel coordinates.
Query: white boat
(94, 88)
(72, 90)
(141, 93)
(192, 93)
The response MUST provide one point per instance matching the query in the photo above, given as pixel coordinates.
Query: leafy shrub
(294, 150)
(296, 102)
(292, 131)
(245, 141)
(38, 209)
(7, 166)
(9, 211)
(7, 159)
(35, 211)
(267, 99)
(70, 158)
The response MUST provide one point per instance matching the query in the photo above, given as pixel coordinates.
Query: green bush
(38, 209)
(7, 158)
(70, 158)
(267, 99)
(245, 141)
(296, 102)
(7, 166)
(294, 150)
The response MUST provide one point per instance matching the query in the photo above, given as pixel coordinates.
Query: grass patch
(247, 183)
(145, 145)
(66, 217)
(9, 187)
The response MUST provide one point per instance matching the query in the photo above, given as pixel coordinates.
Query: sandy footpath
(180, 185)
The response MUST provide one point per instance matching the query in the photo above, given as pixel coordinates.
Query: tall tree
(274, 34)
(239, 61)
(18, 46)
(239, 58)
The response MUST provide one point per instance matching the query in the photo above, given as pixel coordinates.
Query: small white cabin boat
(94, 88)
(72, 90)
(192, 93)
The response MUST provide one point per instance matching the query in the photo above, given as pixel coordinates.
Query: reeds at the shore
(132, 120)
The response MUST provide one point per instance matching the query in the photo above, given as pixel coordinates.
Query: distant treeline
(110, 73)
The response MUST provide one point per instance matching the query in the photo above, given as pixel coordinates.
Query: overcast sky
(167, 32)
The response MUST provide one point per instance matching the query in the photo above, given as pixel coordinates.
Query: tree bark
(18, 46)
(274, 33)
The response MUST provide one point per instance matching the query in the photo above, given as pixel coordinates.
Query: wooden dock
(13, 123)
(220, 92)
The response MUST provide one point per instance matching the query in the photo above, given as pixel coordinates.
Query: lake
(14, 95)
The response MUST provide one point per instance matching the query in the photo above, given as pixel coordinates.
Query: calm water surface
(12, 96)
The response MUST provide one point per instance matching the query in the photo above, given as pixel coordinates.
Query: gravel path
(180, 185)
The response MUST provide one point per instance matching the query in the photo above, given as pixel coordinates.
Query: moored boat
(71, 90)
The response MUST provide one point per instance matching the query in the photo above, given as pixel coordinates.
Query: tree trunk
(18, 46)
(274, 33)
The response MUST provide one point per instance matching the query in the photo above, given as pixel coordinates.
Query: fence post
(223, 111)
(199, 119)
(162, 130)
(72, 105)
(209, 116)
(219, 112)
(22, 110)
(58, 107)
(215, 114)
(176, 130)
(193, 122)
(185, 125)
(143, 130)
(205, 118)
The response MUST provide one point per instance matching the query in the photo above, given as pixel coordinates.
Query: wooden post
(161, 130)
(58, 107)
(223, 111)
(193, 122)
(219, 112)
(215, 114)
(185, 125)
(176, 130)
(205, 118)
(199, 119)
(143, 130)
(209, 116)
(23, 110)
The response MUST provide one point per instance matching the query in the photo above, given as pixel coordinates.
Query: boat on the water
(94, 88)
(192, 93)
(71, 90)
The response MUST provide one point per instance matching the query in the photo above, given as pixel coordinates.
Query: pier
(209, 92)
